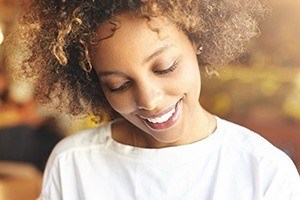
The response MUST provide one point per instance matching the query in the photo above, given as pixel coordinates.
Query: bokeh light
(1, 36)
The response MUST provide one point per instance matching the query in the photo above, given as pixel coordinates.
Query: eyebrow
(156, 53)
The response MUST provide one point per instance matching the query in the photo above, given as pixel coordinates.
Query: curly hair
(55, 37)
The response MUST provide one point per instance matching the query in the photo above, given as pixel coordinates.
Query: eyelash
(123, 87)
(170, 69)
(160, 72)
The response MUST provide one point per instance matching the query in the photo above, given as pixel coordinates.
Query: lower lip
(168, 124)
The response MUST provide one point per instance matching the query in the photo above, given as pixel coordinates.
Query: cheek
(122, 103)
(189, 76)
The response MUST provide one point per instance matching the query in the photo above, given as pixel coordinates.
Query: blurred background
(262, 93)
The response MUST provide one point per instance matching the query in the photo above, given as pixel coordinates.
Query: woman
(137, 65)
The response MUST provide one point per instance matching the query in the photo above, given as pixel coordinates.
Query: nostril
(146, 107)
(148, 96)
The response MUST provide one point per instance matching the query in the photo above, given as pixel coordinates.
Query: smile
(165, 121)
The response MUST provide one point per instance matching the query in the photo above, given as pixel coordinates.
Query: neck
(199, 127)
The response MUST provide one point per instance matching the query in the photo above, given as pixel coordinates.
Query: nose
(148, 97)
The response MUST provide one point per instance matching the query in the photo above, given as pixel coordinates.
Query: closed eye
(121, 88)
(170, 69)
(161, 72)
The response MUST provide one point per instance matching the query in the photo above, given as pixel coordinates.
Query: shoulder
(81, 141)
(77, 148)
(274, 168)
(244, 139)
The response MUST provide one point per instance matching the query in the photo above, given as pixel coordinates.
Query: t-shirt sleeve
(59, 181)
(51, 188)
(280, 178)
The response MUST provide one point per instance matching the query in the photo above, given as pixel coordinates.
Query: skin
(147, 92)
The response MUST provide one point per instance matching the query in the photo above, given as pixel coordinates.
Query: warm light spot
(223, 103)
(1, 36)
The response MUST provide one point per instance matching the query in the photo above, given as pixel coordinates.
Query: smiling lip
(172, 121)
(161, 113)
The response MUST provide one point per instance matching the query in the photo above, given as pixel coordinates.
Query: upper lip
(160, 113)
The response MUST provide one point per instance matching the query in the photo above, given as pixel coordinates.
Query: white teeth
(163, 118)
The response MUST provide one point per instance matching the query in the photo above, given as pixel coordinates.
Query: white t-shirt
(233, 163)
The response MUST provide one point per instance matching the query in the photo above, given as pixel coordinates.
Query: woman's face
(144, 73)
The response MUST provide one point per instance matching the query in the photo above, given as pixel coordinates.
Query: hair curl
(55, 36)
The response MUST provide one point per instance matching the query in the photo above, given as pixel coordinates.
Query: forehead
(134, 39)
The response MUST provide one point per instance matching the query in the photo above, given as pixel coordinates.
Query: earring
(200, 50)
